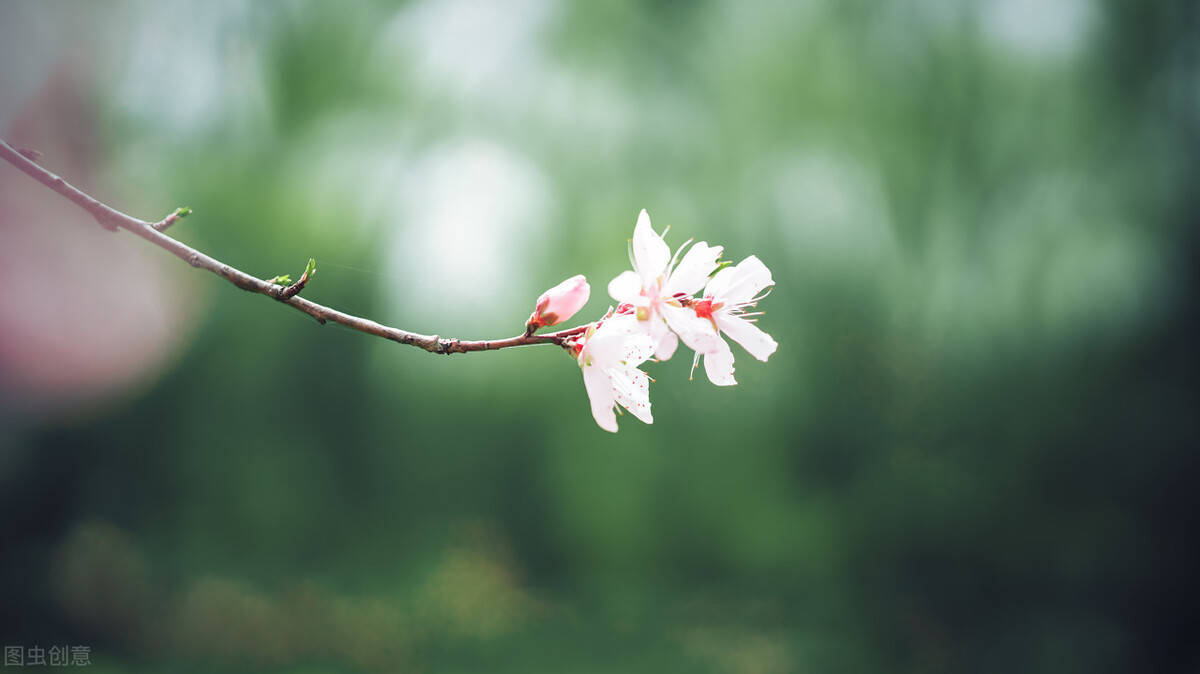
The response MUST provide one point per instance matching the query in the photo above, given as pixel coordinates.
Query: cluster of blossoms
(657, 307)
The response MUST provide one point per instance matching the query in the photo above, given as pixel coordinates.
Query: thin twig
(112, 219)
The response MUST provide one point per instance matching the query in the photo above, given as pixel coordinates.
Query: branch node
(293, 289)
(30, 153)
(178, 214)
(447, 346)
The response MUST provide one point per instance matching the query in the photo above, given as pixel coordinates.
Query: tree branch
(112, 219)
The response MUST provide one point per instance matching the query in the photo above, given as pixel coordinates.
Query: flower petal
(665, 341)
(626, 287)
(719, 283)
(631, 388)
(698, 333)
(749, 278)
(625, 324)
(650, 252)
(605, 347)
(718, 365)
(758, 343)
(636, 350)
(600, 393)
(665, 348)
(561, 302)
(619, 339)
(693, 270)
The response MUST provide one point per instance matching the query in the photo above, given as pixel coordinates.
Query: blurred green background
(975, 450)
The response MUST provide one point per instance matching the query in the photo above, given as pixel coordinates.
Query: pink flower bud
(559, 303)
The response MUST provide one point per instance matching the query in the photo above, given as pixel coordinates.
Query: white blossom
(656, 285)
(727, 296)
(609, 356)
